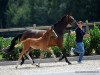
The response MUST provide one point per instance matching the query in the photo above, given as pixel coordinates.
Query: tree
(19, 13)
(3, 8)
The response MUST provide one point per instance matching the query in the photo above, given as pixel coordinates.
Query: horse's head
(69, 20)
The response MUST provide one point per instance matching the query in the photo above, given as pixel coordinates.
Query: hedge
(92, 44)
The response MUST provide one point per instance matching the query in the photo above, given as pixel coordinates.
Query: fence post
(34, 26)
(87, 27)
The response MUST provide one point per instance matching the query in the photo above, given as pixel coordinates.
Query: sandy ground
(60, 68)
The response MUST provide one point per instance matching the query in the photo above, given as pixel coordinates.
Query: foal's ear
(52, 27)
(49, 28)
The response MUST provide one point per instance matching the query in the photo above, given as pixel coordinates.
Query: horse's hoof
(16, 67)
(62, 57)
(33, 62)
(69, 63)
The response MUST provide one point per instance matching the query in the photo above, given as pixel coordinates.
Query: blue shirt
(79, 34)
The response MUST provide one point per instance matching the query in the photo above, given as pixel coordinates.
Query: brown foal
(39, 43)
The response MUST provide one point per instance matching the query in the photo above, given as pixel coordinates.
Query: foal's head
(50, 33)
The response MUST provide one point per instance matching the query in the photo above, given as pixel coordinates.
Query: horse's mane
(60, 21)
(60, 26)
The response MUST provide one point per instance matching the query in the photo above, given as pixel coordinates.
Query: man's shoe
(72, 53)
(79, 62)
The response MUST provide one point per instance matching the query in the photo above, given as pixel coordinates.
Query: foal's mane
(46, 34)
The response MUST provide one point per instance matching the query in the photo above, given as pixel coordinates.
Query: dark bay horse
(41, 43)
(59, 28)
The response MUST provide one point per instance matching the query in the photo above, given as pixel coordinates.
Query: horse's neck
(59, 28)
(60, 25)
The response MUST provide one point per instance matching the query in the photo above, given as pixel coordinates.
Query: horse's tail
(13, 43)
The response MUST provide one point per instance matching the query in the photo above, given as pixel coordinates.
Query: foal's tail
(13, 43)
(27, 41)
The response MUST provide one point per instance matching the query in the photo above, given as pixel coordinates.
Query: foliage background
(92, 45)
(21, 13)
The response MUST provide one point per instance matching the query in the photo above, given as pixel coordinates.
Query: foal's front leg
(41, 56)
(55, 59)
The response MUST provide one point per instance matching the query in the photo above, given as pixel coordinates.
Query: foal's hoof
(37, 66)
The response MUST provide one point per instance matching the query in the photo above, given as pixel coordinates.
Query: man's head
(80, 24)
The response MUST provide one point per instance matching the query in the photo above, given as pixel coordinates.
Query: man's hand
(86, 35)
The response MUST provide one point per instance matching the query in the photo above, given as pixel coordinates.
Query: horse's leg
(30, 54)
(22, 62)
(62, 57)
(19, 60)
(64, 54)
(30, 58)
(24, 50)
(23, 59)
(55, 59)
(41, 56)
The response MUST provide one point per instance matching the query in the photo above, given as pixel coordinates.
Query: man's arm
(86, 35)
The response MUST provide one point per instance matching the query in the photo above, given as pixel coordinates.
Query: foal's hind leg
(19, 60)
(30, 55)
(21, 54)
(22, 62)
